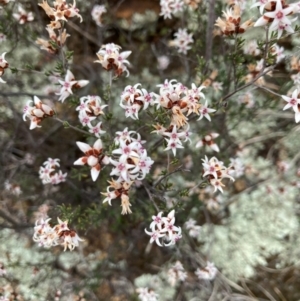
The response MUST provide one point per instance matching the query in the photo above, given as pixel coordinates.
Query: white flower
(110, 57)
(207, 273)
(93, 157)
(68, 84)
(97, 12)
(163, 229)
(22, 16)
(182, 40)
(176, 273)
(37, 112)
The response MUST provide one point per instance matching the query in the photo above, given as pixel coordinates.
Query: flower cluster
(134, 99)
(131, 163)
(37, 112)
(12, 188)
(22, 16)
(163, 229)
(89, 109)
(277, 52)
(207, 273)
(276, 12)
(169, 7)
(215, 171)
(68, 84)
(3, 66)
(57, 40)
(209, 141)
(179, 102)
(146, 294)
(110, 57)
(182, 40)
(49, 174)
(61, 11)
(176, 273)
(232, 22)
(97, 12)
(294, 103)
(194, 230)
(93, 157)
(47, 236)
(254, 70)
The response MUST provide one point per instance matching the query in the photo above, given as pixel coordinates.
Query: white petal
(83, 146)
(95, 173)
(261, 22)
(79, 161)
(215, 147)
(98, 145)
(82, 83)
(92, 161)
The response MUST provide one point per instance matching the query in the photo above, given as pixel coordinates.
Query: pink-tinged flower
(110, 57)
(60, 234)
(69, 239)
(92, 105)
(155, 236)
(110, 195)
(163, 228)
(182, 40)
(61, 11)
(292, 102)
(96, 129)
(61, 226)
(37, 112)
(49, 173)
(205, 111)
(157, 221)
(122, 169)
(22, 16)
(207, 273)
(278, 17)
(68, 84)
(216, 172)
(93, 157)
(169, 7)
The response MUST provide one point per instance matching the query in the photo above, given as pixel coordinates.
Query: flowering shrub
(138, 100)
